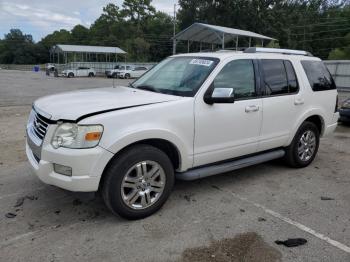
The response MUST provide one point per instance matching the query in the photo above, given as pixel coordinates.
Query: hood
(77, 104)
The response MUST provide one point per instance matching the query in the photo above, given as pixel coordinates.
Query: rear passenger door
(282, 102)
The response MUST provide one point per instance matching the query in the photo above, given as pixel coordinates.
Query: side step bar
(201, 172)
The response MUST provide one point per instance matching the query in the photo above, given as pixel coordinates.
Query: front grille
(40, 125)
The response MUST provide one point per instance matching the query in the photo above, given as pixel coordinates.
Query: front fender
(185, 155)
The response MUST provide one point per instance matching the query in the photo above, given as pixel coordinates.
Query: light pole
(174, 40)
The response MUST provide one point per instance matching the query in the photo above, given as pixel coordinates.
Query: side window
(319, 77)
(292, 78)
(239, 75)
(275, 77)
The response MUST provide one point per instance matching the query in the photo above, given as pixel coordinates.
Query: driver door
(229, 130)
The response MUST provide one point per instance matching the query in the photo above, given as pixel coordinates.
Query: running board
(201, 172)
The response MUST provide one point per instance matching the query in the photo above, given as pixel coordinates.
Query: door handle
(250, 109)
(299, 102)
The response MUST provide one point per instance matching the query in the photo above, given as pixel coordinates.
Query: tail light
(336, 105)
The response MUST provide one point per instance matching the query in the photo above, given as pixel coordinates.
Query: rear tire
(303, 149)
(91, 74)
(138, 182)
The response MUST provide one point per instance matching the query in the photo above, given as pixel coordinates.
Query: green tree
(80, 35)
(57, 37)
(18, 48)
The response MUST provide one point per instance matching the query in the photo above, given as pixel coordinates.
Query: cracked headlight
(72, 135)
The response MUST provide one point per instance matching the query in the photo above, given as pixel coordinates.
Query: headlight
(31, 119)
(71, 135)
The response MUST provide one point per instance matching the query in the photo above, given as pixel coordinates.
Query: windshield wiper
(131, 85)
(147, 88)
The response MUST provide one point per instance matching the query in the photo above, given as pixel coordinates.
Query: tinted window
(275, 75)
(292, 78)
(319, 77)
(239, 75)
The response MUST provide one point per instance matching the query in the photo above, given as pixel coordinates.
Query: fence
(100, 67)
(21, 67)
(340, 70)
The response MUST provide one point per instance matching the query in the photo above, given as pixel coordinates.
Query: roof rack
(277, 51)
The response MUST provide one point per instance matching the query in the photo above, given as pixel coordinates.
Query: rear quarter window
(318, 75)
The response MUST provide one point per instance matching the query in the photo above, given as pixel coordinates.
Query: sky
(41, 17)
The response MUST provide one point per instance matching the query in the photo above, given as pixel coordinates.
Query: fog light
(63, 170)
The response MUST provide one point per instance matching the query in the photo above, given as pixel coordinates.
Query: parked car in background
(80, 71)
(50, 67)
(344, 112)
(135, 72)
(115, 71)
(191, 116)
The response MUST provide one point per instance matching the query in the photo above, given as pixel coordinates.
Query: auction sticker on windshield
(202, 62)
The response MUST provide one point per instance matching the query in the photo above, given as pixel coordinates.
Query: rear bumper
(87, 167)
(329, 129)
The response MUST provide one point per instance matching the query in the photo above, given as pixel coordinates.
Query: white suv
(135, 72)
(191, 116)
(80, 71)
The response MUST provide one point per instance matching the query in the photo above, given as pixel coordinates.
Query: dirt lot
(231, 217)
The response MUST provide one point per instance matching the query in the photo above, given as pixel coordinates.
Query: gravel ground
(230, 217)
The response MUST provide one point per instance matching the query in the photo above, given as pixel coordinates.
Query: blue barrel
(36, 68)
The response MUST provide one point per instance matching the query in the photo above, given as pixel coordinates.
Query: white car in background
(80, 71)
(132, 72)
(117, 69)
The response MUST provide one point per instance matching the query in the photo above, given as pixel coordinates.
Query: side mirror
(219, 95)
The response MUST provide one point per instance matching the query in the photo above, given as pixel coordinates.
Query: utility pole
(304, 38)
(174, 40)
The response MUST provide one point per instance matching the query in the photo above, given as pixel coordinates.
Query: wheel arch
(314, 116)
(164, 145)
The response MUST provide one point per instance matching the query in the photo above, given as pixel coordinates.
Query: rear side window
(279, 77)
(292, 78)
(319, 77)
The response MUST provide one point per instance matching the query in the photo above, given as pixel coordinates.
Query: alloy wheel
(143, 185)
(307, 145)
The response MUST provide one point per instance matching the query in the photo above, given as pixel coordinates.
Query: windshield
(181, 76)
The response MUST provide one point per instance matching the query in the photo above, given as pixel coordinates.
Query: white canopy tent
(218, 35)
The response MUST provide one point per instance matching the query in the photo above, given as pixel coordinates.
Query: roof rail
(276, 51)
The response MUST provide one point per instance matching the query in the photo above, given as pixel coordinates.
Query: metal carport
(215, 35)
(85, 52)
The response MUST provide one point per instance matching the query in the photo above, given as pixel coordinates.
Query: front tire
(138, 182)
(303, 149)
(70, 75)
(127, 76)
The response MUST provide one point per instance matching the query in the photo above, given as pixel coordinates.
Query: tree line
(319, 26)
